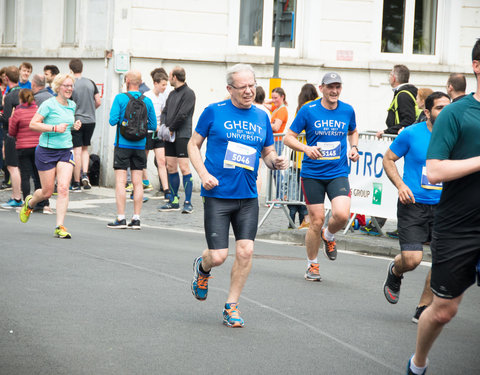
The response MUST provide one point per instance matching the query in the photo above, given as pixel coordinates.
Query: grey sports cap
(331, 77)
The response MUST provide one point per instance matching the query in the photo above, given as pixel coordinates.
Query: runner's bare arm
(448, 170)
(37, 125)
(404, 193)
(291, 141)
(272, 160)
(194, 146)
(353, 140)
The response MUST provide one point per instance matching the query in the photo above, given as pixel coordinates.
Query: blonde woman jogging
(54, 156)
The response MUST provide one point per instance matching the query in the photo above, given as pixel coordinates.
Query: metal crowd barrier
(284, 187)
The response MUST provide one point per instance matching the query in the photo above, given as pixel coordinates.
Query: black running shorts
(219, 213)
(454, 261)
(177, 149)
(153, 141)
(314, 189)
(124, 158)
(83, 136)
(415, 222)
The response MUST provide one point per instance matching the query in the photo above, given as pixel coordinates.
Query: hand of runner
(77, 125)
(353, 154)
(313, 153)
(405, 195)
(209, 182)
(60, 128)
(280, 163)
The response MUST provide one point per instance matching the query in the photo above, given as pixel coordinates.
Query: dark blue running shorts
(47, 158)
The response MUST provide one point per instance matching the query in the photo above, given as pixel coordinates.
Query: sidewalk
(100, 202)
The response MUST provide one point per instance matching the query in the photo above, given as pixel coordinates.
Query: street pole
(275, 81)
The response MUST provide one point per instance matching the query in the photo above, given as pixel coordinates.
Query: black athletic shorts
(124, 158)
(153, 141)
(415, 222)
(11, 157)
(219, 213)
(454, 261)
(83, 136)
(178, 148)
(314, 189)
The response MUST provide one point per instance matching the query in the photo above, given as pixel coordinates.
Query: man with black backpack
(133, 115)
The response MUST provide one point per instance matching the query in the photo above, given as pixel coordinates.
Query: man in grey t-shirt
(87, 98)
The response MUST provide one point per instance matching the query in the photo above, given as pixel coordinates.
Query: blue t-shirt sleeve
(269, 135)
(353, 123)
(152, 117)
(401, 144)
(299, 122)
(115, 111)
(205, 122)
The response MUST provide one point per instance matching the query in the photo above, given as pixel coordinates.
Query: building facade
(360, 39)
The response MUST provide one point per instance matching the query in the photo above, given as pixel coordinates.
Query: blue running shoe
(231, 316)
(12, 203)
(200, 281)
(187, 208)
(410, 372)
(145, 199)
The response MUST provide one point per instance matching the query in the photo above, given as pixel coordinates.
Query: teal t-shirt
(456, 136)
(53, 114)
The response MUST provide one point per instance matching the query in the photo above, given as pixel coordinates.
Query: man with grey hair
(40, 92)
(238, 135)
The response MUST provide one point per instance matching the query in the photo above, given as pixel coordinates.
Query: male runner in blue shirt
(238, 135)
(327, 122)
(417, 199)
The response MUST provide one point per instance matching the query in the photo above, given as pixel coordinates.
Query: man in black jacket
(177, 116)
(402, 110)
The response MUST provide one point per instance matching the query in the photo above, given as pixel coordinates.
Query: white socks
(415, 369)
(329, 236)
(136, 217)
(120, 217)
(312, 261)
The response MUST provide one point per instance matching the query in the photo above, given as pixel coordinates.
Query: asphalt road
(119, 302)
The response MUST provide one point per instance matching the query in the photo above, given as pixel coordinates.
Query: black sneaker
(86, 182)
(418, 311)
(75, 187)
(118, 224)
(391, 287)
(134, 224)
